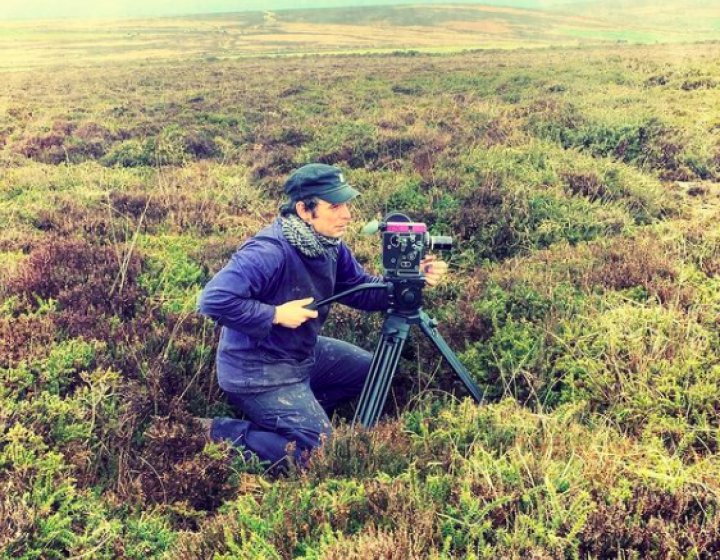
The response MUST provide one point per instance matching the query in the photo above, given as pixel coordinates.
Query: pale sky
(52, 9)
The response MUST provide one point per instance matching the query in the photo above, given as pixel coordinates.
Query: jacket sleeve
(351, 274)
(233, 298)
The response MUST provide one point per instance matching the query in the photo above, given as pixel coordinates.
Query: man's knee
(361, 367)
(357, 365)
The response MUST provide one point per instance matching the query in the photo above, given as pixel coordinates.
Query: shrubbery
(647, 143)
(583, 300)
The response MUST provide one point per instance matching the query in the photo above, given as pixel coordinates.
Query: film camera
(405, 243)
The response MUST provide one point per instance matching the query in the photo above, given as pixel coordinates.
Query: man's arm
(232, 297)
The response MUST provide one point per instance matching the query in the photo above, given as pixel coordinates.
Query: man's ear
(302, 211)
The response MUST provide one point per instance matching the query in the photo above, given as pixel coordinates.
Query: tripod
(405, 311)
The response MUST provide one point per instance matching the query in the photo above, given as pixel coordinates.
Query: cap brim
(344, 193)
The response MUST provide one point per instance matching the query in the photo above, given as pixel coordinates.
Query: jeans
(296, 413)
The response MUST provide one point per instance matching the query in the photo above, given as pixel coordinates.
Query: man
(272, 364)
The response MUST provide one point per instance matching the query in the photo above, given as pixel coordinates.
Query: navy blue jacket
(264, 272)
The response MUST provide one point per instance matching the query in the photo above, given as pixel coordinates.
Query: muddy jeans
(297, 412)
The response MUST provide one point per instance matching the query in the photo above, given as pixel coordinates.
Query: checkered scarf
(305, 239)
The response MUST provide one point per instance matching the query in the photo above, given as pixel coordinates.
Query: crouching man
(276, 371)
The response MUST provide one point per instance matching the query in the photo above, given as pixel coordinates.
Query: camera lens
(441, 242)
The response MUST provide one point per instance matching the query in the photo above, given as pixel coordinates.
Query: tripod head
(404, 295)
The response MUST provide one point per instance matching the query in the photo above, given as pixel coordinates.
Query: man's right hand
(292, 314)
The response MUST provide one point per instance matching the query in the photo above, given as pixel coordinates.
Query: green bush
(636, 363)
(350, 143)
(147, 535)
(47, 516)
(647, 143)
(130, 153)
(171, 277)
(410, 199)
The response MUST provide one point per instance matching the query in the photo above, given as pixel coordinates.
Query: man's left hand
(433, 269)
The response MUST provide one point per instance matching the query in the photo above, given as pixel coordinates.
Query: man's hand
(292, 314)
(433, 269)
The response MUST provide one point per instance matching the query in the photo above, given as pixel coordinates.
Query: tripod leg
(378, 378)
(370, 408)
(427, 326)
(383, 366)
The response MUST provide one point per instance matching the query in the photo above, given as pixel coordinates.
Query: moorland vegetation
(581, 187)
(381, 29)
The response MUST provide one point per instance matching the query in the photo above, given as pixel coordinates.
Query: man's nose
(346, 211)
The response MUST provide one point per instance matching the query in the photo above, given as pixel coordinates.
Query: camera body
(405, 243)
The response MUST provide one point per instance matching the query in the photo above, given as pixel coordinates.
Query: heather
(581, 188)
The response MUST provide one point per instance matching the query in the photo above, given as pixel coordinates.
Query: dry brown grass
(26, 45)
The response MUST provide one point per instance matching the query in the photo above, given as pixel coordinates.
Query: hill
(82, 9)
(433, 28)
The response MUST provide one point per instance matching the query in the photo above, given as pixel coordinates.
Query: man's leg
(339, 372)
(275, 418)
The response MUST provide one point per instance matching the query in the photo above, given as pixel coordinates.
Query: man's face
(331, 220)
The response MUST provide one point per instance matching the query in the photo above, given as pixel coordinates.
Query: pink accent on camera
(406, 227)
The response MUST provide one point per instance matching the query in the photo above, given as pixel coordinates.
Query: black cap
(318, 179)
